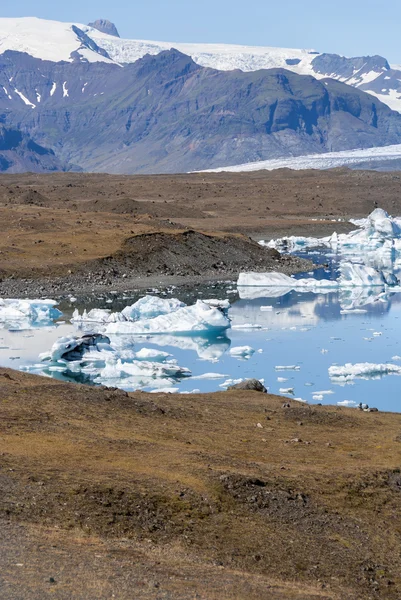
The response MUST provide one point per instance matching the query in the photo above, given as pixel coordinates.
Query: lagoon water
(307, 331)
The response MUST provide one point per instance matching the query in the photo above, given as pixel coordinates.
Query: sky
(348, 27)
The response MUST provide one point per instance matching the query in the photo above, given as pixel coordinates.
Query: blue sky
(350, 27)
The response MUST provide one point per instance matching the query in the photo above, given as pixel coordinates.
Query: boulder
(250, 384)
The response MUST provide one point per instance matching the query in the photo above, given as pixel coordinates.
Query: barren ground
(105, 494)
(67, 231)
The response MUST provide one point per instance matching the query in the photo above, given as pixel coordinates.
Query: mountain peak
(105, 26)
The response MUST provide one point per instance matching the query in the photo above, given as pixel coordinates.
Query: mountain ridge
(166, 113)
(53, 40)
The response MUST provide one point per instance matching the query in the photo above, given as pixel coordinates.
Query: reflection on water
(307, 330)
(310, 331)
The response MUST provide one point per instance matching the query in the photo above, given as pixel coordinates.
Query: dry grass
(211, 492)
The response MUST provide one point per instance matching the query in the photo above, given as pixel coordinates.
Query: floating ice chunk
(247, 326)
(346, 403)
(288, 368)
(223, 304)
(280, 280)
(25, 314)
(199, 319)
(141, 370)
(152, 354)
(325, 392)
(209, 376)
(165, 390)
(282, 379)
(356, 275)
(149, 307)
(317, 397)
(286, 390)
(349, 372)
(396, 357)
(241, 351)
(96, 315)
(372, 233)
(70, 349)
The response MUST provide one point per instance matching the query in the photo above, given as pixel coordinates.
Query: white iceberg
(358, 275)
(280, 280)
(143, 371)
(199, 319)
(371, 234)
(27, 314)
(152, 354)
(349, 372)
(241, 351)
(149, 307)
(73, 348)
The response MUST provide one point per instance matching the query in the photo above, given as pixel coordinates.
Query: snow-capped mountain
(106, 104)
(165, 113)
(73, 42)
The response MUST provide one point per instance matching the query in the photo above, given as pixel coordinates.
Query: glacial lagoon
(335, 345)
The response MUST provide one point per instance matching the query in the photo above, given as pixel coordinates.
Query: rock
(250, 384)
(105, 26)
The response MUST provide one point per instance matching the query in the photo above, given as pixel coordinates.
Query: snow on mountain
(47, 40)
(72, 42)
(329, 160)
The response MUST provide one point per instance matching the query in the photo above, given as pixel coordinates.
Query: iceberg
(142, 371)
(371, 234)
(152, 354)
(149, 307)
(280, 280)
(27, 314)
(348, 372)
(358, 275)
(71, 349)
(241, 351)
(199, 319)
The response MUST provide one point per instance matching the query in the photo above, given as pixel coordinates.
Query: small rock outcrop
(105, 26)
(250, 384)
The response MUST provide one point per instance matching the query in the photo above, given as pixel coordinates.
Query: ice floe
(27, 314)
(371, 234)
(280, 280)
(241, 351)
(198, 319)
(349, 372)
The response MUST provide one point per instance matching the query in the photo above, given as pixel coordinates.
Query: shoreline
(79, 285)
